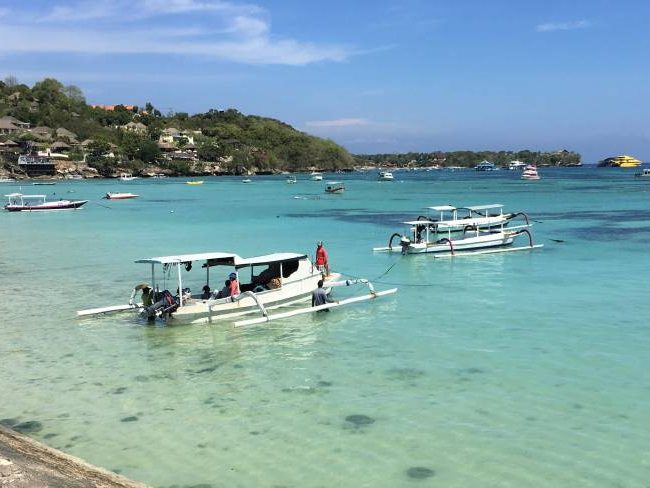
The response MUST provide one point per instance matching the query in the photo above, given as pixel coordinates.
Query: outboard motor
(165, 304)
(405, 242)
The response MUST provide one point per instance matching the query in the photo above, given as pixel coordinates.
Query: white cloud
(338, 123)
(216, 29)
(562, 26)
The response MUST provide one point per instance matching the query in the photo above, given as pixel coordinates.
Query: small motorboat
(44, 183)
(530, 173)
(127, 177)
(194, 182)
(316, 176)
(246, 180)
(120, 196)
(386, 176)
(335, 187)
(32, 203)
(643, 174)
(291, 180)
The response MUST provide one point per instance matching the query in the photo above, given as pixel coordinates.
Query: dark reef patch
(119, 391)
(132, 418)
(420, 473)
(29, 427)
(359, 420)
(404, 374)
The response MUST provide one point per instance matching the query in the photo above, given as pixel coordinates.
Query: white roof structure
(225, 258)
(14, 195)
(442, 208)
(419, 222)
(484, 207)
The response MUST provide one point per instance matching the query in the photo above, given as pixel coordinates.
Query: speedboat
(530, 173)
(127, 177)
(291, 180)
(246, 180)
(17, 202)
(421, 239)
(120, 196)
(335, 187)
(456, 219)
(386, 176)
(267, 282)
(643, 174)
(485, 166)
(316, 176)
(516, 165)
(194, 182)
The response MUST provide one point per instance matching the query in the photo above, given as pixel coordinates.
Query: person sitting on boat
(234, 285)
(319, 297)
(147, 296)
(206, 293)
(225, 291)
(322, 260)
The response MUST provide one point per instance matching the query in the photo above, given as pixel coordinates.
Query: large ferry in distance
(623, 161)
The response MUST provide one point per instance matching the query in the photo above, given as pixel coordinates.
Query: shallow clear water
(519, 369)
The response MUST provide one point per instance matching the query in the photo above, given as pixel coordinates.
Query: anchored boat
(120, 196)
(530, 173)
(266, 283)
(335, 187)
(456, 219)
(386, 176)
(17, 202)
(427, 236)
(316, 176)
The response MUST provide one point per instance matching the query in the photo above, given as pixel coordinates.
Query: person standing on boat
(319, 297)
(322, 260)
(234, 285)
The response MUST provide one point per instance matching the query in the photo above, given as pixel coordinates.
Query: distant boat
(74, 177)
(127, 177)
(120, 196)
(246, 180)
(17, 202)
(6, 180)
(291, 180)
(623, 161)
(44, 183)
(485, 166)
(530, 173)
(386, 176)
(316, 176)
(516, 165)
(335, 187)
(643, 174)
(194, 182)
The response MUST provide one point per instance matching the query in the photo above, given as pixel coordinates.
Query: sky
(373, 75)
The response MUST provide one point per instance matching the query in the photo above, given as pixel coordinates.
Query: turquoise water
(516, 369)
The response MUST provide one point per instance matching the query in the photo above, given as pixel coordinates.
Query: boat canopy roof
(224, 258)
(442, 208)
(334, 182)
(14, 195)
(484, 207)
(419, 222)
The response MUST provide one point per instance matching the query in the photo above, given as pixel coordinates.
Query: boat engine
(405, 242)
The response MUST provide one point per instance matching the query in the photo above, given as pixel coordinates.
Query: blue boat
(485, 166)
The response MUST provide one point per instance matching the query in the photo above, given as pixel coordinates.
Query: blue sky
(375, 76)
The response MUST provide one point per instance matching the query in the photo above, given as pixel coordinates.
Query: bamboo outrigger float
(266, 283)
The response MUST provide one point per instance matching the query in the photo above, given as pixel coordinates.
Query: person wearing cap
(234, 285)
(322, 260)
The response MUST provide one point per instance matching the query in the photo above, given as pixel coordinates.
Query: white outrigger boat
(272, 281)
(17, 202)
(423, 238)
(456, 219)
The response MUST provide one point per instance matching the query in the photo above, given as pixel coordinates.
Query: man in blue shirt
(319, 297)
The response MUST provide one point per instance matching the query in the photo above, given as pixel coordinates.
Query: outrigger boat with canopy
(266, 282)
(17, 202)
(425, 237)
(456, 219)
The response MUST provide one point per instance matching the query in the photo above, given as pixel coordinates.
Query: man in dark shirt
(319, 297)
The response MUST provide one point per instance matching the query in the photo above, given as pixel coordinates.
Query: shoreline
(25, 462)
